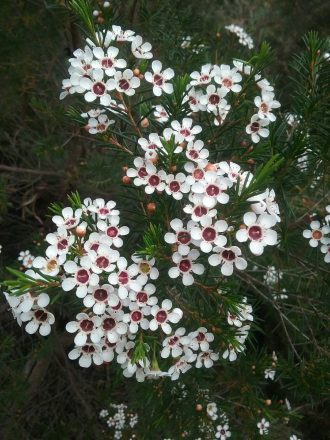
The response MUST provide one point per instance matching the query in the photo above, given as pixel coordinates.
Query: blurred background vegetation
(44, 156)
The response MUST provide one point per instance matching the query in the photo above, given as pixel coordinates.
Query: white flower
(99, 297)
(193, 97)
(181, 238)
(50, 265)
(266, 104)
(69, 219)
(114, 329)
(207, 358)
(94, 87)
(60, 241)
(243, 37)
(258, 232)
(227, 258)
(82, 277)
(223, 432)
(316, 234)
(294, 437)
(269, 373)
(146, 269)
(263, 426)
(175, 345)
(213, 100)
(163, 315)
(39, 319)
(151, 146)
(230, 353)
(181, 366)
(228, 78)
(159, 79)
(196, 152)
(99, 124)
(136, 319)
(160, 113)
(256, 128)
(203, 77)
(212, 189)
(103, 209)
(200, 339)
(266, 202)
(209, 235)
(103, 259)
(199, 212)
(107, 60)
(144, 297)
(185, 266)
(85, 327)
(211, 410)
(113, 231)
(87, 354)
(242, 67)
(27, 259)
(141, 50)
(118, 34)
(185, 131)
(124, 82)
(124, 278)
(325, 249)
(177, 185)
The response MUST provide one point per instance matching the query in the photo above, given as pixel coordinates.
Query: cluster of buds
(243, 37)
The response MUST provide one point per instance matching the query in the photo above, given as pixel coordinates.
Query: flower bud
(151, 208)
(268, 402)
(80, 230)
(126, 180)
(199, 407)
(141, 76)
(145, 123)
(136, 72)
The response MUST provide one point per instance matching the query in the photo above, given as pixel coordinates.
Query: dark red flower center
(40, 315)
(212, 190)
(161, 316)
(228, 255)
(227, 82)
(107, 63)
(86, 325)
(185, 132)
(112, 232)
(200, 211)
(102, 262)
(142, 297)
(154, 180)
(136, 316)
(62, 244)
(174, 186)
(99, 88)
(109, 324)
(142, 172)
(88, 349)
(200, 337)
(255, 232)
(158, 80)
(185, 265)
(104, 211)
(123, 84)
(82, 276)
(101, 295)
(209, 234)
(255, 127)
(214, 99)
(173, 340)
(123, 277)
(183, 237)
(198, 174)
(193, 154)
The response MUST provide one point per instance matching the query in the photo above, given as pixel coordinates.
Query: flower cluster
(26, 258)
(102, 73)
(118, 296)
(121, 420)
(205, 189)
(243, 37)
(270, 371)
(318, 235)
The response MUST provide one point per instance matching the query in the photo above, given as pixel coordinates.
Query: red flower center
(104, 211)
(198, 174)
(107, 63)
(62, 244)
(82, 276)
(227, 82)
(317, 234)
(101, 295)
(173, 341)
(109, 324)
(255, 127)
(86, 325)
(40, 315)
(123, 278)
(183, 237)
(99, 89)
(158, 80)
(142, 297)
(193, 154)
(185, 132)
(228, 255)
(154, 180)
(142, 172)
(174, 186)
(200, 211)
(214, 99)
(209, 234)
(212, 190)
(123, 84)
(255, 232)
(185, 265)
(88, 349)
(200, 337)
(161, 316)
(102, 262)
(136, 316)
(112, 232)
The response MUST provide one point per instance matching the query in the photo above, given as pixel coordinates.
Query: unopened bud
(100, 19)
(136, 72)
(199, 407)
(125, 168)
(218, 34)
(268, 402)
(210, 167)
(151, 208)
(141, 76)
(145, 123)
(173, 168)
(81, 231)
(126, 180)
